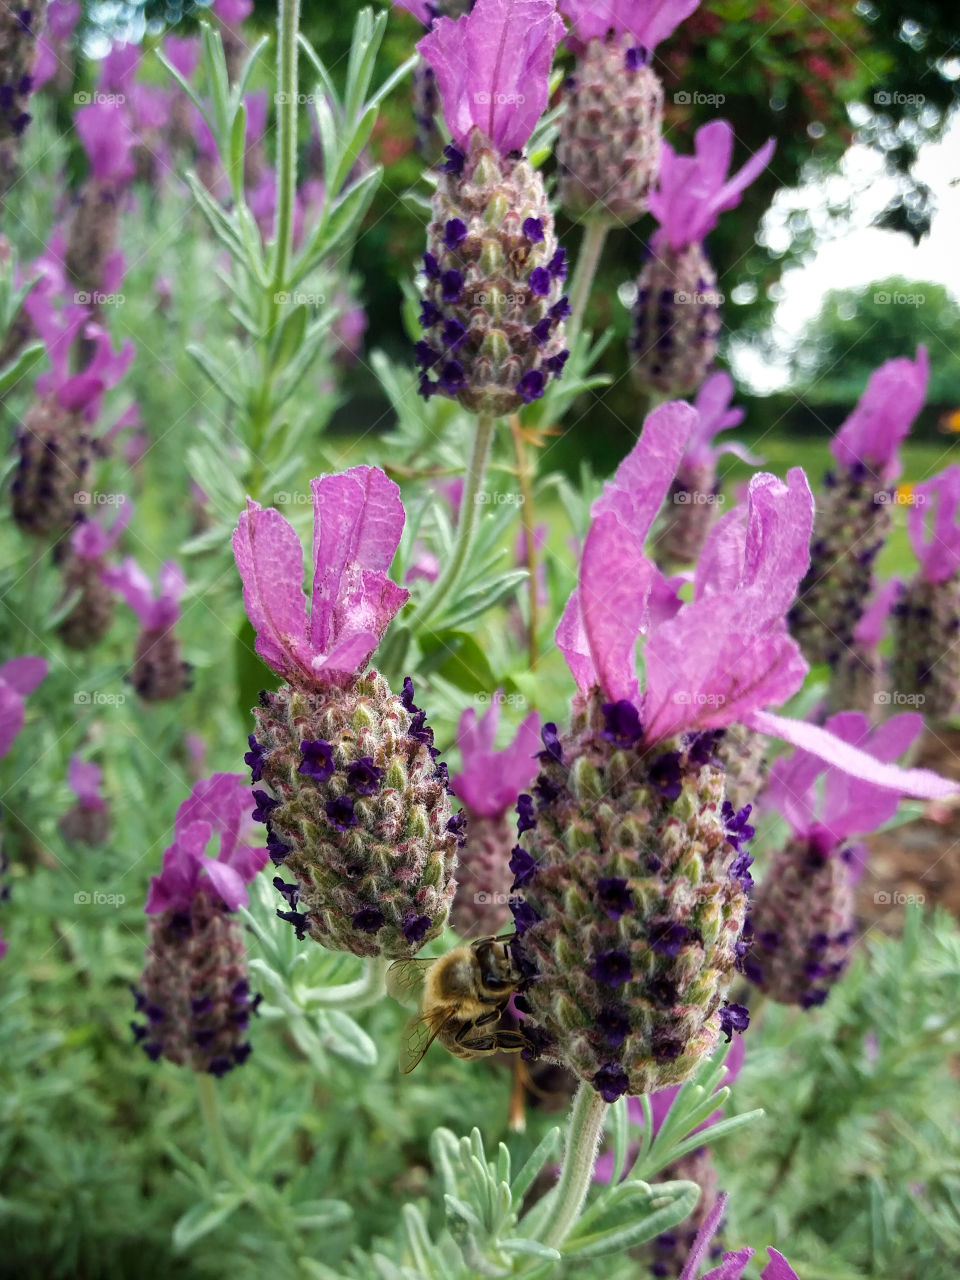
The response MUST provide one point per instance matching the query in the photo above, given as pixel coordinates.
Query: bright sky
(860, 253)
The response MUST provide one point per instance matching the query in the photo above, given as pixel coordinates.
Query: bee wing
(416, 1038)
(405, 980)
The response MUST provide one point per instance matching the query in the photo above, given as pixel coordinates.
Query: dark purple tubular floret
(701, 746)
(668, 937)
(554, 364)
(545, 790)
(611, 1081)
(451, 284)
(425, 355)
(533, 230)
(364, 776)
(429, 314)
(667, 775)
(452, 377)
(453, 334)
(636, 58)
(540, 333)
(455, 160)
(415, 927)
(531, 386)
(736, 825)
(562, 309)
(299, 921)
(526, 820)
(614, 896)
(733, 1017)
(523, 866)
(317, 762)
(540, 281)
(666, 1046)
(611, 968)
(265, 806)
(277, 848)
(622, 721)
(524, 916)
(420, 730)
(340, 813)
(614, 1027)
(740, 870)
(662, 991)
(458, 825)
(558, 264)
(368, 919)
(407, 694)
(454, 232)
(431, 267)
(289, 891)
(254, 758)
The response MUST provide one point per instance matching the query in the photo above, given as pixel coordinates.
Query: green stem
(287, 139)
(219, 1145)
(469, 519)
(367, 990)
(588, 259)
(586, 1124)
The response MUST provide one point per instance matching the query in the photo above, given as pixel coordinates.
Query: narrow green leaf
(201, 1219)
(24, 362)
(545, 1150)
(683, 1201)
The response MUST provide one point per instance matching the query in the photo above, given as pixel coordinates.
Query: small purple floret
(734, 1017)
(666, 776)
(431, 267)
(265, 806)
(454, 233)
(523, 866)
(340, 813)
(524, 916)
(558, 264)
(622, 720)
(611, 1081)
(415, 927)
(540, 281)
(611, 968)
(289, 891)
(533, 230)
(364, 776)
(299, 921)
(531, 385)
(317, 762)
(455, 160)
(668, 938)
(615, 896)
(368, 919)
(552, 750)
(451, 285)
(255, 758)
(526, 820)
(614, 1026)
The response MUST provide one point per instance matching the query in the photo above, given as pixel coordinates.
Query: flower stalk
(583, 1137)
(588, 260)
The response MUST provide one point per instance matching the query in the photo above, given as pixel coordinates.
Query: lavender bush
(242, 829)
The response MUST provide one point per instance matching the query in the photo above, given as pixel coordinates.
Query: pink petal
(778, 1268)
(615, 580)
(24, 674)
(84, 779)
(227, 882)
(491, 780)
(419, 8)
(648, 21)
(12, 716)
(358, 522)
(698, 1250)
(883, 416)
(270, 561)
(643, 478)
(493, 68)
(571, 638)
(130, 581)
(922, 783)
(731, 1267)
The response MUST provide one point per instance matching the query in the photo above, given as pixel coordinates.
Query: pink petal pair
(491, 780)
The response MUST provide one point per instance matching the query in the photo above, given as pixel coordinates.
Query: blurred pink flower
(84, 778)
(933, 523)
(872, 433)
(18, 679)
(490, 780)
(156, 612)
(648, 21)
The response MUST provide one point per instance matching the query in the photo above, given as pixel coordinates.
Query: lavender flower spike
(691, 506)
(857, 680)
(353, 799)
(803, 911)
(493, 69)
(158, 671)
(853, 516)
(926, 659)
(732, 1265)
(88, 821)
(18, 679)
(677, 313)
(194, 992)
(488, 787)
(92, 615)
(493, 304)
(610, 131)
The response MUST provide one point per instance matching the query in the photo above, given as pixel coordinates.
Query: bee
(463, 996)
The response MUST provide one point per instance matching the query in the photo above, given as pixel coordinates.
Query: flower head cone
(633, 871)
(802, 916)
(354, 801)
(18, 679)
(91, 615)
(159, 671)
(853, 513)
(744, 756)
(194, 995)
(488, 787)
(926, 653)
(109, 142)
(858, 680)
(20, 26)
(677, 311)
(493, 304)
(88, 821)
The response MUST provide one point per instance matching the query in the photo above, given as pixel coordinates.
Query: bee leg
(511, 1041)
(493, 1016)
